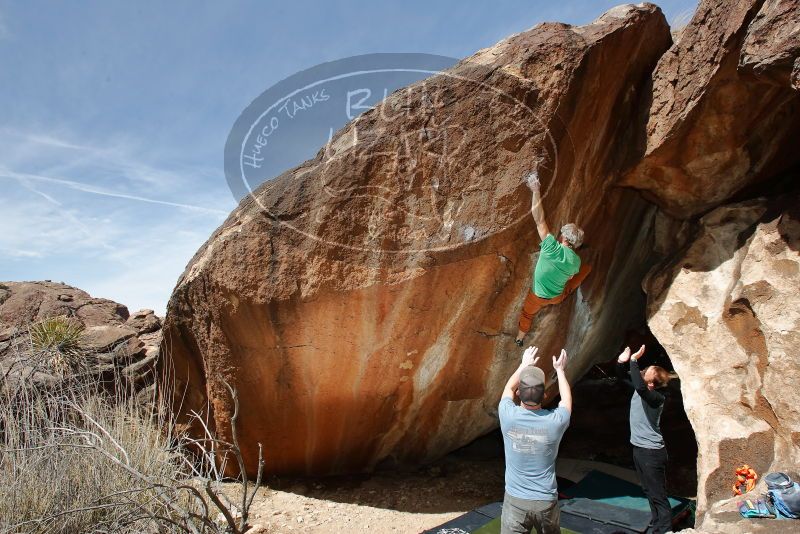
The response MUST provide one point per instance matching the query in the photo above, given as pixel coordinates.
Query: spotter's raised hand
(561, 362)
(529, 356)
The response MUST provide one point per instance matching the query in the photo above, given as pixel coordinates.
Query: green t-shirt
(556, 265)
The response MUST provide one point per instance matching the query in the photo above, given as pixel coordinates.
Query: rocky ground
(407, 501)
(389, 502)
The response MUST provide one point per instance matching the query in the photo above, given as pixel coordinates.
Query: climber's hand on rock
(638, 353)
(528, 357)
(533, 181)
(625, 355)
(561, 363)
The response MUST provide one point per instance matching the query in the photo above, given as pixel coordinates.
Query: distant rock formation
(123, 348)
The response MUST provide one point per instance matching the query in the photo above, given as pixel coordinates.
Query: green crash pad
(615, 518)
(493, 527)
(608, 489)
(599, 504)
(472, 521)
(570, 524)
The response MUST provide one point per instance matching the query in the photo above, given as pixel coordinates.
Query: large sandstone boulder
(727, 310)
(723, 115)
(771, 47)
(364, 304)
(115, 344)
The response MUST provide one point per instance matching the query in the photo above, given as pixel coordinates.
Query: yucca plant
(57, 339)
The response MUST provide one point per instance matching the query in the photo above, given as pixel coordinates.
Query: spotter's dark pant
(651, 466)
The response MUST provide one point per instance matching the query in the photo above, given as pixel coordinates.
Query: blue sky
(114, 116)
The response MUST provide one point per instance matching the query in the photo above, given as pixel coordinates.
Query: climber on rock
(649, 452)
(558, 271)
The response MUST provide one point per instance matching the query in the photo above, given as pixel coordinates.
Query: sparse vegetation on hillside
(76, 458)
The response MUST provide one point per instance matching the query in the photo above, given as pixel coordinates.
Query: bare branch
(246, 510)
(68, 512)
(237, 451)
(104, 431)
(222, 508)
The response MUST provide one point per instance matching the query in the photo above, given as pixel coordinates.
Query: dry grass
(57, 463)
(76, 458)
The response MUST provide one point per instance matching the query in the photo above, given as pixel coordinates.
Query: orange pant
(534, 303)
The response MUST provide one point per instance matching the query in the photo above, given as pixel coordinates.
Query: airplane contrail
(65, 213)
(86, 188)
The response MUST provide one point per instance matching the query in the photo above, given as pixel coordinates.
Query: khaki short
(521, 516)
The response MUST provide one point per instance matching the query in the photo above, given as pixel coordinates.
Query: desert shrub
(57, 341)
(75, 460)
(76, 457)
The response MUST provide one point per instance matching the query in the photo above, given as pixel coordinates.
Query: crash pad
(598, 504)
(608, 489)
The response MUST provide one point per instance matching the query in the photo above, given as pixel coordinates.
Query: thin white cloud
(143, 274)
(118, 159)
(48, 140)
(66, 214)
(19, 253)
(117, 221)
(43, 238)
(35, 227)
(86, 188)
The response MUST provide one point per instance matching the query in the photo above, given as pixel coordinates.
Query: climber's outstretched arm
(537, 209)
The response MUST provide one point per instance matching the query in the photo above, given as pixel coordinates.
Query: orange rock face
(364, 304)
(723, 115)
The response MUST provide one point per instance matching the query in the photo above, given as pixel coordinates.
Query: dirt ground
(386, 502)
(405, 501)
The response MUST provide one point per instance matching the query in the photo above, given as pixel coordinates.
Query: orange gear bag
(745, 479)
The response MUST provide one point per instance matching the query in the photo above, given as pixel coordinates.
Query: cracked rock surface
(727, 309)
